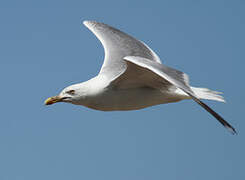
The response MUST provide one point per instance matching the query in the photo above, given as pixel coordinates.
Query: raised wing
(176, 78)
(117, 45)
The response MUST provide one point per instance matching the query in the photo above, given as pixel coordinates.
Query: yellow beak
(52, 100)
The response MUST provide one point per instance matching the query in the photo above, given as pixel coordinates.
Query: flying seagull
(133, 77)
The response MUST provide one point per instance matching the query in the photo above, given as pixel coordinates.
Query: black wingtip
(216, 115)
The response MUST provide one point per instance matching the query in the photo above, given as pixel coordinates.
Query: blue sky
(44, 48)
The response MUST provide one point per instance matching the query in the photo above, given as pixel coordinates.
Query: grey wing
(117, 45)
(172, 76)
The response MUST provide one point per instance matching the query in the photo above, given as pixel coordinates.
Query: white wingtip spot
(232, 130)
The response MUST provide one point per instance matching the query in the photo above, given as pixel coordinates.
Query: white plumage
(133, 77)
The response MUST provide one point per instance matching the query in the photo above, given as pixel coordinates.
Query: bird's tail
(204, 93)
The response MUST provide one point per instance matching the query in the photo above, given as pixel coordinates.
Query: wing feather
(179, 80)
(117, 45)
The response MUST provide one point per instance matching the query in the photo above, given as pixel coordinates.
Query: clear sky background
(44, 47)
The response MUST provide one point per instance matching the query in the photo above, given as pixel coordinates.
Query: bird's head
(70, 94)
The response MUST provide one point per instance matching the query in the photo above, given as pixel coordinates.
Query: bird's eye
(72, 92)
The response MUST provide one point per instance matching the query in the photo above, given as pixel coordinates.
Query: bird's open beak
(53, 100)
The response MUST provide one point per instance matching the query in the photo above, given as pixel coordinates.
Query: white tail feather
(204, 93)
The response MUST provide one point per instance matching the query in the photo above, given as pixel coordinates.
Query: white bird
(133, 77)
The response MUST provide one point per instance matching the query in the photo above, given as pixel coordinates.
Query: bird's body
(133, 77)
(107, 97)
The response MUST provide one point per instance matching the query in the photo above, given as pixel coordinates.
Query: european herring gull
(133, 77)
